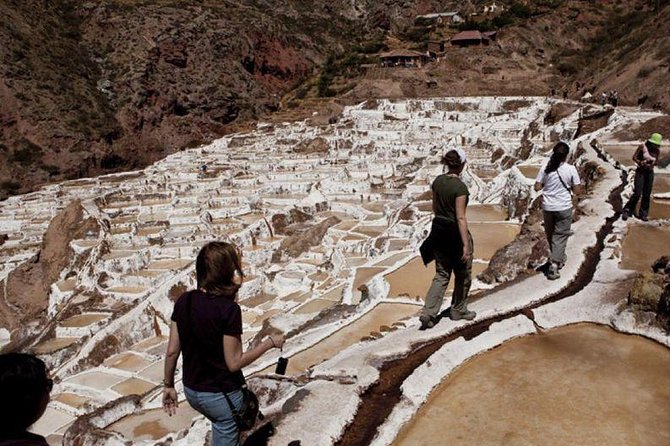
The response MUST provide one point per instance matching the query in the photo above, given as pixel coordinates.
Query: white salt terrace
(379, 162)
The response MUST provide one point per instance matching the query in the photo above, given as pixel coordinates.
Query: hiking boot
(426, 322)
(552, 272)
(643, 217)
(458, 315)
(625, 214)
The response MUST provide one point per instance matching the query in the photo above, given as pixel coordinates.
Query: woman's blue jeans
(215, 407)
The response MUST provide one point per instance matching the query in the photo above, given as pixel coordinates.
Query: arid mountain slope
(94, 87)
(88, 87)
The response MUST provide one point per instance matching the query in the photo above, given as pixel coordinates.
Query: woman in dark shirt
(449, 243)
(207, 327)
(645, 157)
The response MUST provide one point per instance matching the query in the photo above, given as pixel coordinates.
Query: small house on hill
(469, 38)
(440, 18)
(403, 58)
(493, 8)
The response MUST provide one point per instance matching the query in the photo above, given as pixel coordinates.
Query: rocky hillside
(88, 87)
(94, 87)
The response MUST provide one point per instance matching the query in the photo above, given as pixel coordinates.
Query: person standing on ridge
(207, 327)
(449, 243)
(645, 157)
(557, 181)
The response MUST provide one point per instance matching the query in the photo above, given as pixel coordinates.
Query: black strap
(232, 408)
(563, 183)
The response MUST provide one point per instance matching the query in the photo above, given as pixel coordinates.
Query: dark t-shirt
(201, 339)
(445, 190)
(23, 439)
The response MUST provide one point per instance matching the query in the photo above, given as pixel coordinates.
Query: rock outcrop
(651, 292)
(300, 242)
(26, 289)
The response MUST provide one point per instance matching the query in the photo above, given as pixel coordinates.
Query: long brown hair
(215, 268)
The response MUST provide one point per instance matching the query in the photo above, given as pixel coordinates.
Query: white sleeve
(575, 177)
(540, 176)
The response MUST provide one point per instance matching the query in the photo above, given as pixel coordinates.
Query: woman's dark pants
(644, 181)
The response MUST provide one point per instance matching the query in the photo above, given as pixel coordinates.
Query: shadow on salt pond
(581, 384)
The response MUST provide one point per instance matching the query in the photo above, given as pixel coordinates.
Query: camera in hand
(281, 366)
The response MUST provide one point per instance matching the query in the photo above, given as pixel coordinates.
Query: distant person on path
(645, 158)
(207, 327)
(449, 243)
(24, 394)
(558, 180)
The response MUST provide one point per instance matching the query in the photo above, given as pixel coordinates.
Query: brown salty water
(577, 385)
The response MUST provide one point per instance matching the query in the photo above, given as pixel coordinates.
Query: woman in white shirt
(558, 180)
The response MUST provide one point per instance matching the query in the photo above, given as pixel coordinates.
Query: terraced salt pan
(363, 275)
(96, 379)
(183, 241)
(133, 386)
(127, 361)
(413, 279)
(84, 320)
(393, 259)
(153, 373)
(154, 424)
(485, 213)
(489, 237)
(71, 399)
(581, 384)
(52, 421)
(529, 171)
(659, 209)
(148, 344)
(314, 306)
(661, 183)
(622, 153)
(53, 345)
(643, 244)
(127, 289)
(381, 318)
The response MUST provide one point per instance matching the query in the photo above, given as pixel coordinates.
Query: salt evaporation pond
(659, 209)
(154, 424)
(414, 278)
(582, 384)
(382, 315)
(623, 153)
(529, 171)
(485, 212)
(643, 244)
